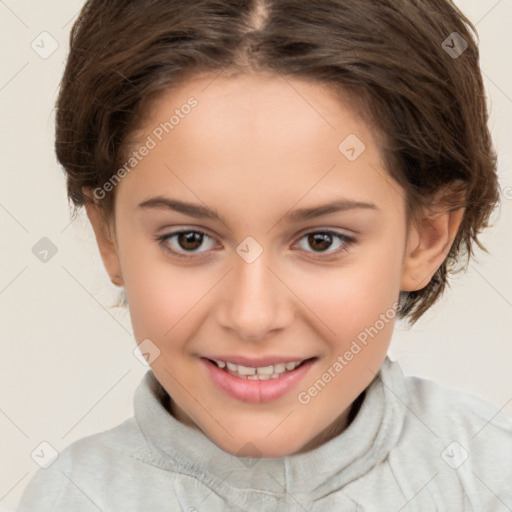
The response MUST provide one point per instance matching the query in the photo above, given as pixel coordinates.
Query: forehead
(257, 139)
(260, 103)
(253, 111)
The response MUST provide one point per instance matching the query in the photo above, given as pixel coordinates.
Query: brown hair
(394, 58)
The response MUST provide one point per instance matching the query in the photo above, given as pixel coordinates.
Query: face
(229, 252)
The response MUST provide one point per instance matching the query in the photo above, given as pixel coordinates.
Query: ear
(429, 242)
(106, 244)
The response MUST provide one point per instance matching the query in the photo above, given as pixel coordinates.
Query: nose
(256, 303)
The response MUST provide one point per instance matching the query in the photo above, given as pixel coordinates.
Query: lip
(256, 391)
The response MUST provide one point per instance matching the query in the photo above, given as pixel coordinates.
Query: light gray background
(67, 369)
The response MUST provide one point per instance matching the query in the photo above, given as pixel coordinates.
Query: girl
(271, 183)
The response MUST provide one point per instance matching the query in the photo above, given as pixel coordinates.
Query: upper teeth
(259, 372)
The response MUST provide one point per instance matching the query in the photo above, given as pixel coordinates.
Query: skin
(255, 148)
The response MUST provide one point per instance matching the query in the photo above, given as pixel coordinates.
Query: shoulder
(83, 468)
(453, 412)
(457, 442)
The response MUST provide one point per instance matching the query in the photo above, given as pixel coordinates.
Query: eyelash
(346, 240)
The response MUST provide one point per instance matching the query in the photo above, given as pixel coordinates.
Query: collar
(366, 442)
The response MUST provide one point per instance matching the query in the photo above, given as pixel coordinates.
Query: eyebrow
(301, 214)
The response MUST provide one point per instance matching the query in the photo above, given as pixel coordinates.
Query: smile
(259, 372)
(260, 383)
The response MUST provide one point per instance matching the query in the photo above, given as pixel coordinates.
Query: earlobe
(429, 243)
(107, 247)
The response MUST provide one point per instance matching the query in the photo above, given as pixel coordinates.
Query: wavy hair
(400, 61)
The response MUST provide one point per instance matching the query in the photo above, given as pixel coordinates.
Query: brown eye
(320, 241)
(190, 241)
(186, 243)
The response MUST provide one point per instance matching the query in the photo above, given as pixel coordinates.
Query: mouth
(259, 382)
(273, 371)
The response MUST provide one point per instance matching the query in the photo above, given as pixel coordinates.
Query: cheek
(348, 299)
(358, 307)
(161, 295)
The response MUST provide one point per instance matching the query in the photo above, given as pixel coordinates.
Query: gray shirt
(413, 446)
